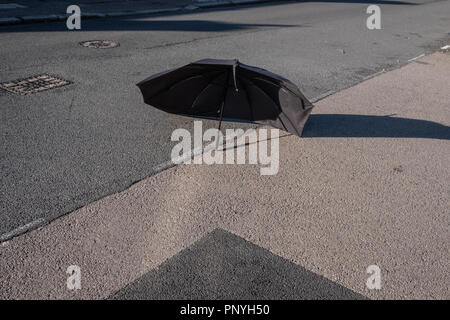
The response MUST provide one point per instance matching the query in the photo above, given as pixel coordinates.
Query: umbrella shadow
(367, 126)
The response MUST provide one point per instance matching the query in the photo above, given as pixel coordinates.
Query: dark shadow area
(384, 2)
(137, 23)
(224, 266)
(127, 24)
(134, 22)
(363, 126)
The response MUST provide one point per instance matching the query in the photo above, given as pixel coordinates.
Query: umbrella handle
(220, 124)
(223, 101)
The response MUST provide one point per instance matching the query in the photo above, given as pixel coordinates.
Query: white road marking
(321, 96)
(374, 75)
(22, 229)
(415, 58)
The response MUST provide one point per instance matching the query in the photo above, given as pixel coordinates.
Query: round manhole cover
(99, 44)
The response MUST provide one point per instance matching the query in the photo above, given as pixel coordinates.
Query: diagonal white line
(22, 229)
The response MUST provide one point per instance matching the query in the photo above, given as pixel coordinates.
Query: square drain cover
(33, 84)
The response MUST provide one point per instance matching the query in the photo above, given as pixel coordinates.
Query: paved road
(361, 188)
(64, 148)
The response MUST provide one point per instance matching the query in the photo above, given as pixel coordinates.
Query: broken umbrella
(228, 90)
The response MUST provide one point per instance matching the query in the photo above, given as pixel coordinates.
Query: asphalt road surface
(63, 148)
(366, 185)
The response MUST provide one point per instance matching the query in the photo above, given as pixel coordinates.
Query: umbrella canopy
(228, 90)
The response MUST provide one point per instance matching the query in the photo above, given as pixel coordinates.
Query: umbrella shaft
(220, 124)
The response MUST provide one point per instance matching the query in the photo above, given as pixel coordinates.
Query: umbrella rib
(234, 76)
(224, 98)
(221, 109)
(252, 111)
(270, 98)
(301, 100)
(182, 80)
(260, 89)
(279, 81)
(210, 83)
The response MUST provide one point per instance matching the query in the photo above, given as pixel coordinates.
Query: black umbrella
(231, 91)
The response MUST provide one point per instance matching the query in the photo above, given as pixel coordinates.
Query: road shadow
(383, 2)
(365, 126)
(137, 22)
(224, 266)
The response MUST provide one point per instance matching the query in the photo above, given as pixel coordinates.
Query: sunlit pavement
(366, 185)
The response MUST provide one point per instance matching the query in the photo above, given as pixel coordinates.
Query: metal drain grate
(33, 84)
(99, 44)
